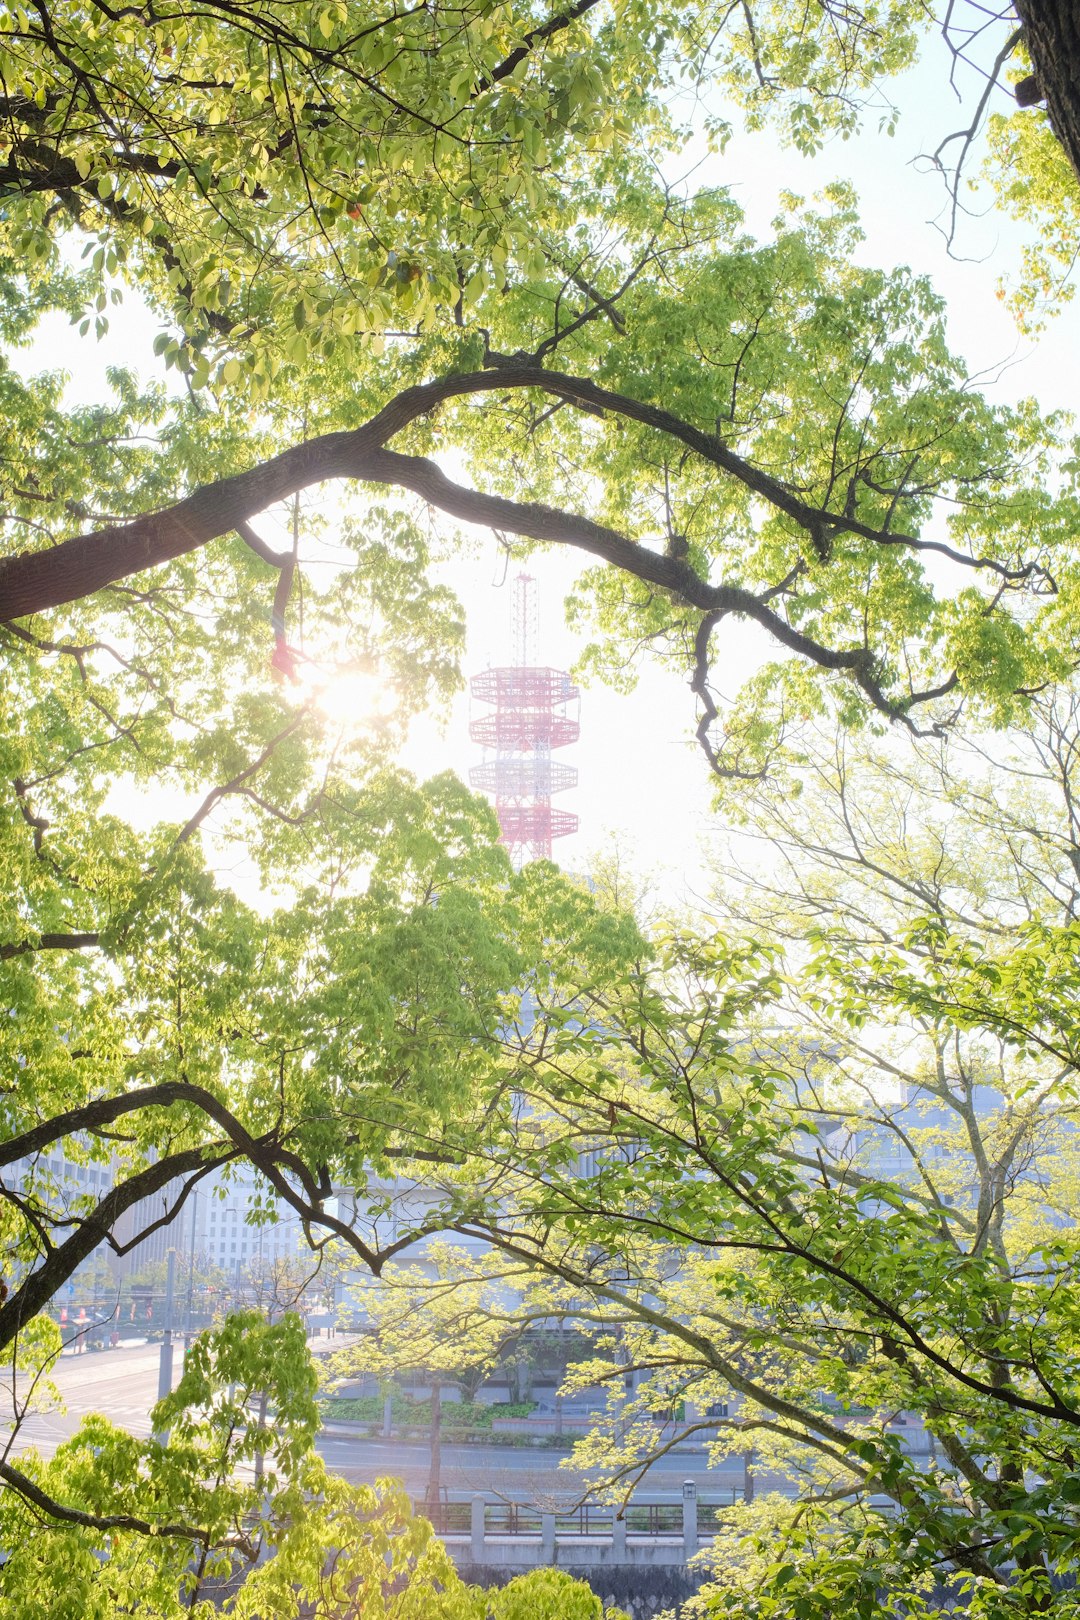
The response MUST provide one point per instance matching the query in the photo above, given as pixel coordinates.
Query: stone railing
(479, 1532)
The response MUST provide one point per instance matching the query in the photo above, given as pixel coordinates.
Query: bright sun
(353, 697)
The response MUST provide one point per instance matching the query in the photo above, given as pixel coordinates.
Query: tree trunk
(434, 1490)
(1052, 37)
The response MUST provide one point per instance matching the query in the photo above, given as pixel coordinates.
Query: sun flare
(353, 697)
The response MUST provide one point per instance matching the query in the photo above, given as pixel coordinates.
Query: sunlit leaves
(174, 1522)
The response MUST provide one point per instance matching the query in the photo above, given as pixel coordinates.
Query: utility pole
(190, 1333)
(165, 1365)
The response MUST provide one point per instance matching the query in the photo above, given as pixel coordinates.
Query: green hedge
(407, 1413)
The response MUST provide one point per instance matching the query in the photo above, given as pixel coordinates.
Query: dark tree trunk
(1052, 36)
(434, 1489)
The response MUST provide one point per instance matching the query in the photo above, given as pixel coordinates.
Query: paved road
(505, 1470)
(123, 1385)
(120, 1383)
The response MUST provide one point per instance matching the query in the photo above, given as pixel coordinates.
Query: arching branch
(32, 582)
(49, 942)
(60, 1262)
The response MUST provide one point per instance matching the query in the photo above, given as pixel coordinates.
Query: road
(509, 1471)
(123, 1385)
(120, 1383)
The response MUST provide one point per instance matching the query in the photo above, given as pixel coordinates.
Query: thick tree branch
(105, 1111)
(50, 942)
(288, 1174)
(60, 1262)
(32, 582)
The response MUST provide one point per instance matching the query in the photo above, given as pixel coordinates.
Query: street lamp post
(165, 1363)
(189, 1334)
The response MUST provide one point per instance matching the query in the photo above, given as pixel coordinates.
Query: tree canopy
(767, 432)
(426, 267)
(167, 1530)
(282, 179)
(811, 1166)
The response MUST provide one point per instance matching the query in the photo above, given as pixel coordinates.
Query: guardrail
(521, 1534)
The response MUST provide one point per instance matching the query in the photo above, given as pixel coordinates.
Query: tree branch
(32, 582)
(39, 1287)
(50, 942)
(554, 25)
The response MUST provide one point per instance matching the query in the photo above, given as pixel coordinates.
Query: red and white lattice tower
(531, 711)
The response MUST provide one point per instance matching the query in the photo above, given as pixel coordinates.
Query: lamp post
(165, 1363)
(689, 1519)
(190, 1332)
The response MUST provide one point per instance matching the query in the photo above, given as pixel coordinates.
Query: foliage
(287, 180)
(418, 1315)
(281, 179)
(761, 432)
(1035, 182)
(307, 1039)
(163, 1526)
(829, 1180)
(232, 931)
(547, 1594)
(181, 1529)
(465, 1416)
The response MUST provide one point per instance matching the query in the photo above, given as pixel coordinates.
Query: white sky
(642, 782)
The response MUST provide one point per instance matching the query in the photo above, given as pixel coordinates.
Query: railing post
(476, 1530)
(689, 1519)
(547, 1538)
(618, 1539)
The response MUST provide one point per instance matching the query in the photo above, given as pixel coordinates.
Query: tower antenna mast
(531, 711)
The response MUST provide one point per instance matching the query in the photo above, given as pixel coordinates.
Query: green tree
(818, 1164)
(185, 1528)
(436, 1318)
(1049, 41)
(285, 179)
(817, 449)
(279, 180)
(1035, 183)
(352, 1022)
(287, 183)
(548, 1594)
(313, 1042)
(437, 236)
